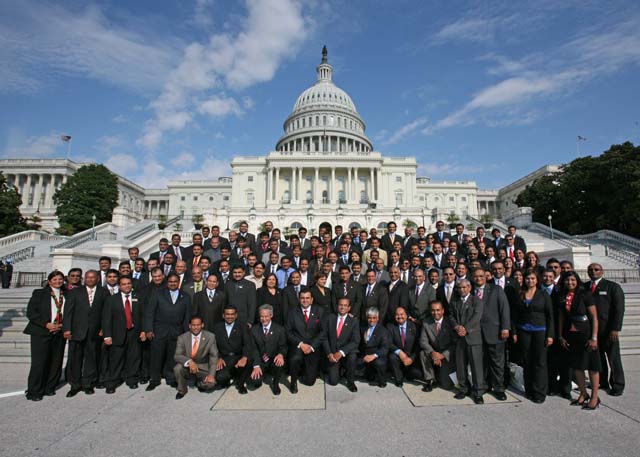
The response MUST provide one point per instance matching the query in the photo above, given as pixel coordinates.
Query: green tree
(591, 193)
(11, 220)
(91, 190)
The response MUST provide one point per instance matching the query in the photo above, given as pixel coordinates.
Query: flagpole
(69, 148)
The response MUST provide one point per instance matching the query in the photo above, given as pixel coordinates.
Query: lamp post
(550, 226)
(93, 227)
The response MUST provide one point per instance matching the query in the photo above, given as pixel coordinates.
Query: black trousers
(269, 368)
(494, 356)
(47, 352)
(559, 372)
(348, 363)
(610, 351)
(124, 361)
(297, 359)
(534, 363)
(229, 372)
(163, 351)
(402, 372)
(145, 366)
(83, 362)
(376, 369)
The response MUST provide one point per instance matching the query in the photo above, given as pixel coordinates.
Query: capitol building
(324, 168)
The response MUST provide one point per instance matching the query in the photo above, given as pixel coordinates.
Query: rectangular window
(182, 198)
(398, 178)
(195, 198)
(250, 178)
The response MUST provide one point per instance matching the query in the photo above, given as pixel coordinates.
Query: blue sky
(486, 91)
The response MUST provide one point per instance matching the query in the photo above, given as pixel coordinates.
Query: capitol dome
(324, 119)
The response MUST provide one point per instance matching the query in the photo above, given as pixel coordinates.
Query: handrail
(29, 235)
(562, 238)
(81, 237)
(604, 235)
(143, 231)
(20, 255)
(621, 256)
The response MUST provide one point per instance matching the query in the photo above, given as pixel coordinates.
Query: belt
(579, 318)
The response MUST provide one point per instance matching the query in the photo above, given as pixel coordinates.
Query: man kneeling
(270, 345)
(196, 356)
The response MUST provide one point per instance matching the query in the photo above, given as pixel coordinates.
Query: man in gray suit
(420, 296)
(196, 356)
(466, 312)
(438, 345)
(495, 325)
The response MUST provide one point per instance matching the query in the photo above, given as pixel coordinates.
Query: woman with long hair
(269, 294)
(533, 333)
(579, 336)
(45, 312)
(532, 262)
(321, 294)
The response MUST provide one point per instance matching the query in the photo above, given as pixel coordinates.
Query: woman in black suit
(269, 294)
(579, 327)
(321, 294)
(45, 312)
(533, 333)
(532, 262)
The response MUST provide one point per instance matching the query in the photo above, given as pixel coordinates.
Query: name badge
(134, 300)
(602, 292)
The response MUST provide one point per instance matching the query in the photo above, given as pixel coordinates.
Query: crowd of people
(443, 309)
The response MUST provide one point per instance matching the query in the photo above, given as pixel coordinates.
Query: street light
(93, 227)
(550, 226)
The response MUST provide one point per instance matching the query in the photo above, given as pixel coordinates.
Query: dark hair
(104, 257)
(75, 270)
(266, 278)
(55, 273)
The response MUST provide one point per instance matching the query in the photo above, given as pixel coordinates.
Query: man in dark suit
(163, 248)
(167, 316)
(398, 295)
(168, 264)
(495, 324)
(249, 238)
(518, 241)
(480, 238)
(304, 335)
(447, 290)
(144, 296)
(420, 297)
(235, 350)
(340, 341)
(270, 346)
(387, 240)
(609, 299)
(374, 347)
(82, 328)
(438, 345)
(466, 313)
(291, 293)
(440, 234)
(123, 331)
(375, 296)
(194, 283)
(403, 345)
(241, 293)
(408, 240)
(178, 251)
(209, 303)
(196, 356)
(357, 275)
(348, 288)
(305, 243)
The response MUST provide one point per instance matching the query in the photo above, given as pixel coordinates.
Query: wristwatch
(594, 338)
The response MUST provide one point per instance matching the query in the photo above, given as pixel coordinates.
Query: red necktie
(593, 287)
(127, 312)
(438, 327)
(402, 336)
(340, 325)
(306, 316)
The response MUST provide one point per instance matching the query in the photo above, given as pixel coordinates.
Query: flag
(581, 138)
(65, 138)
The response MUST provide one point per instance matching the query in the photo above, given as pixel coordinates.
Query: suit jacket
(410, 346)
(407, 242)
(272, 344)
(250, 238)
(184, 255)
(354, 294)
(386, 244)
(468, 314)
(242, 294)
(83, 319)
(349, 339)
(441, 295)
(398, 296)
(114, 321)
(238, 343)
(420, 304)
(378, 342)
(496, 314)
(223, 242)
(290, 298)
(609, 299)
(209, 310)
(519, 243)
(379, 298)
(484, 239)
(445, 234)
(300, 332)
(206, 356)
(189, 288)
(443, 342)
(165, 318)
(39, 312)
(362, 279)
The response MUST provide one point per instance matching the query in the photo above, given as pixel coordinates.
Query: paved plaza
(321, 420)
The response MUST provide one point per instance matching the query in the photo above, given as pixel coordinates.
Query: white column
(25, 195)
(300, 191)
(38, 193)
(332, 196)
(48, 192)
(268, 184)
(356, 193)
(277, 197)
(372, 193)
(316, 186)
(347, 185)
(294, 194)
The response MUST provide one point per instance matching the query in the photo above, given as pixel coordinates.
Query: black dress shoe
(459, 395)
(111, 390)
(538, 400)
(144, 381)
(51, 393)
(258, 384)
(242, 390)
(275, 388)
(151, 386)
(100, 385)
(294, 387)
(89, 391)
(133, 386)
(478, 400)
(399, 383)
(180, 395)
(352, 387)
(500, 396)
(73, 393)
(615, 392)
(173, 384)
(427, 387)
(34, 397)
(382, 384)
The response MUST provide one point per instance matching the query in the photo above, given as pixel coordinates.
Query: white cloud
(203, 13)
(156, 175)
(473, 29)
(106, 144)
(37, 146)
(120, 119)
(271, 32)
(122, 164)
(39, 41)
(404, 131)
(183, 160)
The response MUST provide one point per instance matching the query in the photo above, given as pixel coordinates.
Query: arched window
(382, 228)
(295, 226)
(354, 224)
